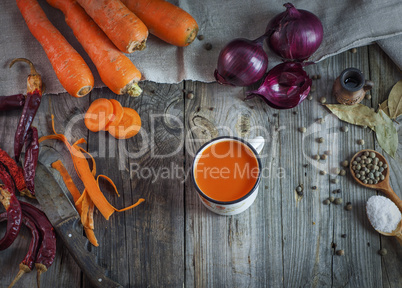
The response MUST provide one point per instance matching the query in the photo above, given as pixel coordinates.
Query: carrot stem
(121, 25)
(115, 69)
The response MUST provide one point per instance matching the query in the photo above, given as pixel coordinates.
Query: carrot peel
(68, 181)
(85, 174)
(110, 181)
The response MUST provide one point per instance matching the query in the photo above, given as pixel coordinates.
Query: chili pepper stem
(33, 70)
(27, 193)
(32, 102)
(23, 269)
(41, 269)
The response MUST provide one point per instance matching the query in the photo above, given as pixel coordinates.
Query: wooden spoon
(397, 232)
(383, 185)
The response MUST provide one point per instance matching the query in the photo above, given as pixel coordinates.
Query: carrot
(115, 69)
(129, 125)
(58, 165)
(71, 70)
(87, 218)
(121, 25)
(88, 179)
(165, 20)
(117, 113)
(83, 202)
(91, 236)
(98, 115)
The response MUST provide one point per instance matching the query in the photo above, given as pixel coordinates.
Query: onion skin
(295, 34)
(285, 86)
(241, 62)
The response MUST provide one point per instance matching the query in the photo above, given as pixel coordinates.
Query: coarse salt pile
(383, 214)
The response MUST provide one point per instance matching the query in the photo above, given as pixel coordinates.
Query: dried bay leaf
(395, 100)
(386, 134)
(384, 107)
(357, 114)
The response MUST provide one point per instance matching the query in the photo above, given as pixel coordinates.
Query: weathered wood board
(172, 240)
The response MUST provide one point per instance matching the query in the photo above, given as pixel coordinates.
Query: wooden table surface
(172, 240)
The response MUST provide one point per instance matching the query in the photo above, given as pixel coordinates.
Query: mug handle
(368, 85)
(257, 143)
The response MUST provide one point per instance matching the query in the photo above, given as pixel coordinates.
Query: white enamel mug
(239, 205)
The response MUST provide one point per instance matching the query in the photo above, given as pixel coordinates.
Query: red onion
(285, 86)
(242, 62)
(295, 34)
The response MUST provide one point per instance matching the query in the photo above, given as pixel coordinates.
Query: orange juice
(226, 170)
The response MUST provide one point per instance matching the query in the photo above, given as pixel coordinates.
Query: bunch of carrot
(109, 115)
(106, 29)
(92, 196)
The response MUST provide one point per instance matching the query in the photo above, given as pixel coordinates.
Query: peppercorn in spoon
(370, 169)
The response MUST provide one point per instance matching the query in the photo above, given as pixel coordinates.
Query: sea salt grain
(383, 214)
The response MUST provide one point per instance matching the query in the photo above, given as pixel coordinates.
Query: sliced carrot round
(129, 125)
(117, 114)
(99, 114)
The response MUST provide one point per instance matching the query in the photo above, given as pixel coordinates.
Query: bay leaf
(386, 134)
(384, 107)
(357, 114)
(395, 100)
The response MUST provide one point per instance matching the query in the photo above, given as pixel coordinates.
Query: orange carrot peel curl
(84, 172)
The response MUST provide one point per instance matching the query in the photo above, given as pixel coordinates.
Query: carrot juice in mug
(226, 173)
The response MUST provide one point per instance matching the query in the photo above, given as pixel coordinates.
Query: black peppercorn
(338, 201)
(208, 46)
(340, 252)
(382, 252)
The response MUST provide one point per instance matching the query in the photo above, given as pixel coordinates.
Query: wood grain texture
(64, 270)
(242, 250)
(384, 71)
(172, 240)
(137, 244)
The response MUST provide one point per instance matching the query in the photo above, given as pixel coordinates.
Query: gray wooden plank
(307, 223)
(172, 240)
(112, 251)
(139, 244)
(386, 74)
(355, 268)
(64, 271)
(66, 110)
(242, 250)
(156, 228)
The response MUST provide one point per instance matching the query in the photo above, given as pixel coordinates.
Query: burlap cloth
(347, 24)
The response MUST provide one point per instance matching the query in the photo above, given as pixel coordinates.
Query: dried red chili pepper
(32, 102)
(28, 262)
(47, 250)
(15, 171)
(13, 208)
(11, 102)
(31, 159)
